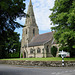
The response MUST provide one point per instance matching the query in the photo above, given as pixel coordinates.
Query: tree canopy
(11, 46)
(63, 17)
(10, 10)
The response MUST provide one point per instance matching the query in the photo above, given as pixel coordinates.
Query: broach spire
(30, 2)
(30, 20)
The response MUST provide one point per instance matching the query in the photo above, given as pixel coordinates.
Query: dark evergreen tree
(9, 11)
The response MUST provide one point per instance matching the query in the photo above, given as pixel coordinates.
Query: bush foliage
(54, 51)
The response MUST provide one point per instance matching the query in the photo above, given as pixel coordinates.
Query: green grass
(42, 59)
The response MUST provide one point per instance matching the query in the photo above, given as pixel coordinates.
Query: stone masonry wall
(38, 63)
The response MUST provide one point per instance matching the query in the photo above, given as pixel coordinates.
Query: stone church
(34, 44)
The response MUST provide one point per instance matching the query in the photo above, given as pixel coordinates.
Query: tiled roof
(41, 39)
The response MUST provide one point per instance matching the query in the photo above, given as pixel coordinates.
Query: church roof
(41, 39)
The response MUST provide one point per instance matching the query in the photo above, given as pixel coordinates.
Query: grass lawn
(43, 59)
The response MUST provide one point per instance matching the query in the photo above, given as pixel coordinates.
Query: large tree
(11, 47)
(9, 11)
(63, 17)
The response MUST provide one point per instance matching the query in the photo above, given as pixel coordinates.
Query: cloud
(41, 12)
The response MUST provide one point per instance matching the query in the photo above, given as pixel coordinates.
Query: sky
(41, 12)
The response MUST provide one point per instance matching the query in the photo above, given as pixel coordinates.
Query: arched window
(24, 55)
(43, 50)
(31, 51)
(26, 21)
(33, 32)
(33, 14)
(47, 49)
(38, 50)
(26, 31)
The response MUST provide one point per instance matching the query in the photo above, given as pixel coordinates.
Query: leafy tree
(12, 46)
(9, 11)
(54, 51)
(63, 17)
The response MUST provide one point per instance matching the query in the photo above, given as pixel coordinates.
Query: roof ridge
(38, 35)
(45, 33)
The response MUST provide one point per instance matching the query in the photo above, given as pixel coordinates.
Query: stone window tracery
(31, 51)
(38, 50)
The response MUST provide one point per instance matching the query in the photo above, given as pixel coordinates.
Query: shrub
(54, 51)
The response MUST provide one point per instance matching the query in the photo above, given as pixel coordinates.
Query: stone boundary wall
(38, 63)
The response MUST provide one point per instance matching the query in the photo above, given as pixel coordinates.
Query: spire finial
(30, 2)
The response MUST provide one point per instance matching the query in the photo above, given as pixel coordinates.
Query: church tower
(30, 29)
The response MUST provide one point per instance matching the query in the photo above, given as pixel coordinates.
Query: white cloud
(42, 12)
